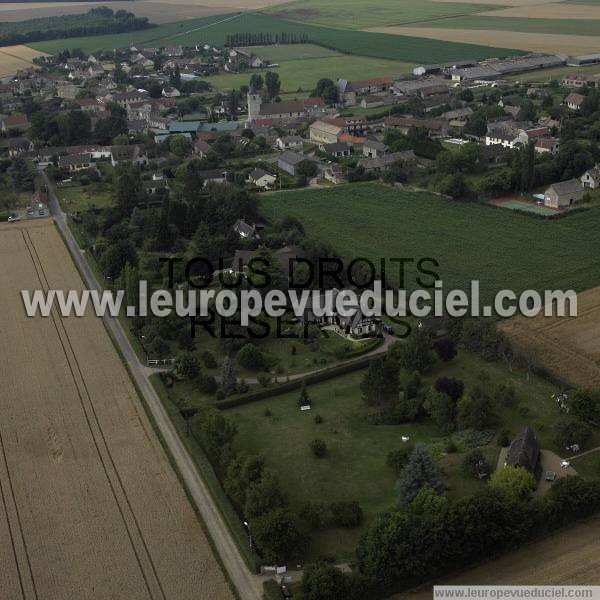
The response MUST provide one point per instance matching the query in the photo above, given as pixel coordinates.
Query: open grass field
(570, 346)
(355, 467)
(530, 42)
(502, 249)
(13, 58)
(359, 14)
(91, 506)
(214, 30)
(570, 557)
(304, 73)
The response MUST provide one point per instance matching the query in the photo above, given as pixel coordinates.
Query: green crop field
(214, 30)
(502, 249)
(291, 52)
(304, 74)
(355, 466)
(360, 14)
(526, 25)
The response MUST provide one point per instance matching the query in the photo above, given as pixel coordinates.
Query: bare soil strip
(90, 505)
(533, 42)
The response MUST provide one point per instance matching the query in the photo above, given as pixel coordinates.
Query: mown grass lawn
(355, 467)
(471, 241)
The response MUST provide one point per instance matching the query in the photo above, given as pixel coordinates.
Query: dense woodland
(96, 21)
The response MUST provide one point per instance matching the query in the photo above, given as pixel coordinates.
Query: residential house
(524, 451)
(547, 145)
(563, 194)
(374, 148)
(435, 128)
(158, 185)
(337, 149)
(134, 155)
(19, 145)
(202, 148)
(574, 101)
(376, 165)
(289, 142)
(262, 179)
(591, 179)
(244, 230)
(75, 162)
(14, 122)
(289, 162)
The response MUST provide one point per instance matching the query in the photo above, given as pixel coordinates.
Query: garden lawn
(355, 466)
(471, 241)
(78, 198)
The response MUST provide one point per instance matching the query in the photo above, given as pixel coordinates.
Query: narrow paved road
(247, 584)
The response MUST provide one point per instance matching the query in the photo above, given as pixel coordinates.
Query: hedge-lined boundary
(282, 388)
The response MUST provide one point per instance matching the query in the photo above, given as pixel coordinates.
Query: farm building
(325, 132)
(289, 162)
(583, 59)
(524, 451)
(289, 142)
(548, 145)
(337, 149)
(563, 194)
(374, 148)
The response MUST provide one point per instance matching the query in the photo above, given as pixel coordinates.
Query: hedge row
(312, 378)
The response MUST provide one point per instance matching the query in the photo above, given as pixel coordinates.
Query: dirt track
(91, 508)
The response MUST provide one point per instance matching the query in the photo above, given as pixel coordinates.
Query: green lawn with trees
(521, 251)
(356, 464)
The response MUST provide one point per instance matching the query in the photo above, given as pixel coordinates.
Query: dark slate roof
(524, 450)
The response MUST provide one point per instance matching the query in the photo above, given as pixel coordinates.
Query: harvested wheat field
(567, 346)
(532, 42)
(13, 58)
(91, 508)
(570, 557)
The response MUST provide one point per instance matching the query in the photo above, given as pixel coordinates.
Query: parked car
(13, 218)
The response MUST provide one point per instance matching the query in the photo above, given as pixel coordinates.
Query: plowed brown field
(90, 508)
(568, 346)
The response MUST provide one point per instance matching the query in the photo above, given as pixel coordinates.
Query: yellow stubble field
(90, 506)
